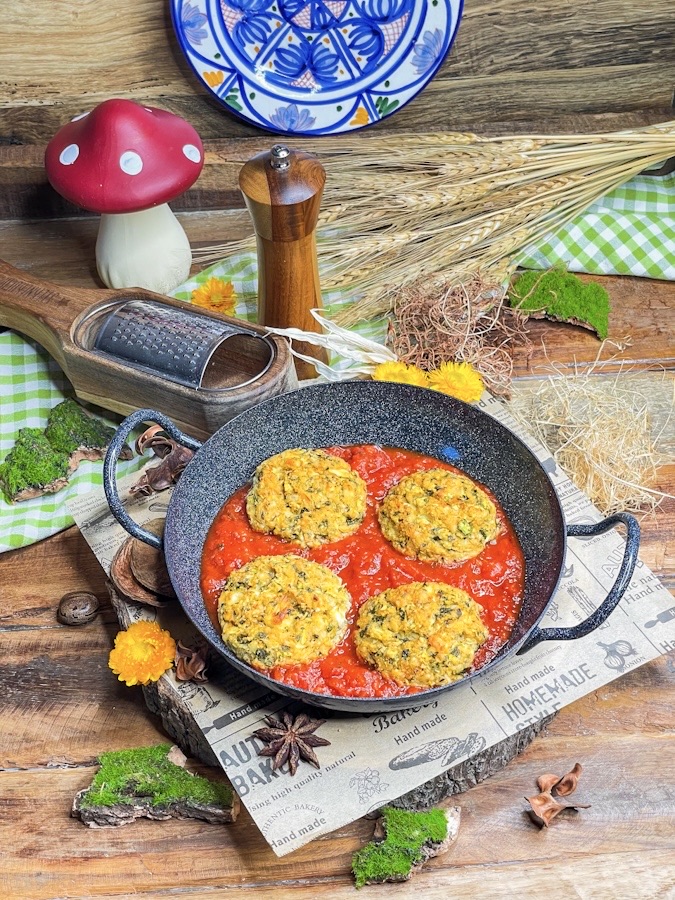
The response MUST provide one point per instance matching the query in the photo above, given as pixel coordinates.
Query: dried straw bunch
(417, 206)
(601, 431)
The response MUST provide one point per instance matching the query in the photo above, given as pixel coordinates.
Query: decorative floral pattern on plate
(317, 67)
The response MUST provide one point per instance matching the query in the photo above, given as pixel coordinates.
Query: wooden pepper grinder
(282, 189)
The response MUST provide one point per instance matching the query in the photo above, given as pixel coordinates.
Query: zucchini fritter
(282, 611)
(422, 634)
(438, 516)
(309, 497)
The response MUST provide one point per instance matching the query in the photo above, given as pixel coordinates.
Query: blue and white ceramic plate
(318, 67)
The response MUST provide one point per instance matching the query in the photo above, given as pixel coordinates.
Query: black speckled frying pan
(393, 415)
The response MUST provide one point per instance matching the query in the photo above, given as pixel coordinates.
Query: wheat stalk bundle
(445, 204)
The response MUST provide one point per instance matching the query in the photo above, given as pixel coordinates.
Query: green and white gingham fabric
(628, 232)
(31, 383)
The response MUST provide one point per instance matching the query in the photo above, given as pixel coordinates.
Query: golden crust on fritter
(422, 634)
(309, 497)
(438, 516)
(282, 611)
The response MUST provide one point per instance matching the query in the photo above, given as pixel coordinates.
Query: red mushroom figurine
(126, 161)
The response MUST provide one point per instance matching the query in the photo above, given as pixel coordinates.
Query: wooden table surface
(60, 706)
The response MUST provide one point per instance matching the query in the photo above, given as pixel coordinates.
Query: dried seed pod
(545, 808)
(160, 477)
(191, 662)
(155, 438)
(124, 581)
(568, 783)
(77, 608)
(147, 563)
(546, 782)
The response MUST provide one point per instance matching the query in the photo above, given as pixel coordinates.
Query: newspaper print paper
(375, 759)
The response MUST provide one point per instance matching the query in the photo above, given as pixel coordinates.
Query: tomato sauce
(368, 564)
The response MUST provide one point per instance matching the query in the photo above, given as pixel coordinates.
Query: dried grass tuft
(600, 431)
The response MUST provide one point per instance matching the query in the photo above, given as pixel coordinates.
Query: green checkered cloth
(31, 383)
(628, 232)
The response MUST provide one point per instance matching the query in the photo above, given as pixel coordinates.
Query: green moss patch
(41, 457)
(32, 462)
(406, 834)
(126, 775)
(562, 296)
(70, 427)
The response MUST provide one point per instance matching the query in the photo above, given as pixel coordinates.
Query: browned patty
(422, 634)
(438, 516)
(309, 497)
(282, 611)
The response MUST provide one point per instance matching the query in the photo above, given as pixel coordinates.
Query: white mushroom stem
(147, 249)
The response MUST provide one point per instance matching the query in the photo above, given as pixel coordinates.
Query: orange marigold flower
(142, 653)
(457, 379)
(216, 294)
(401, 372)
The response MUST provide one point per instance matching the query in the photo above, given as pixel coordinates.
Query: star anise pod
(291, 739)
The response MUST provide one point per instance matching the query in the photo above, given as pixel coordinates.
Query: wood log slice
(179, 723)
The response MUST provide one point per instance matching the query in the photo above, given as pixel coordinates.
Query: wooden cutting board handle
(41, 310)
(282, 189)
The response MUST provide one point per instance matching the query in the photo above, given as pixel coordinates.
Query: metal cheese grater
(163, 340)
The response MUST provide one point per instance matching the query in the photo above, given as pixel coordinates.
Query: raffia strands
(425, 205)
(600, 430)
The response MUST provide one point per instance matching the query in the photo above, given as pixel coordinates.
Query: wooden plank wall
(603, 63)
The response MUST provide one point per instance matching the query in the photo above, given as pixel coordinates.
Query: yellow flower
(142, 653)
(401, 372)
(216, 294)
(458, 379)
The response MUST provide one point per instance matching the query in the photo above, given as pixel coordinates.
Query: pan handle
(616, 593)
(110, 464)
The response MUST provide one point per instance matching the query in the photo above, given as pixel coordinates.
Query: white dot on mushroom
(131, 163)
(69, 154)
(192, 153)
